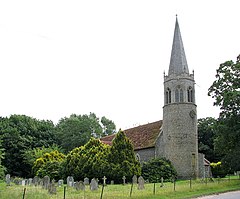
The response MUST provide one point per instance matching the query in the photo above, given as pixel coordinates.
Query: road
(228, 195)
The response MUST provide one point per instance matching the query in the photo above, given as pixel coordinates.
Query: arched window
(137, 157)
(178, 94)
(190, 94)
(168, 96)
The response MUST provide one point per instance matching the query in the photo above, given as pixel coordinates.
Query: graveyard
(35, 188)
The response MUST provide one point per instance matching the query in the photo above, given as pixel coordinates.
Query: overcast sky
(108, 57)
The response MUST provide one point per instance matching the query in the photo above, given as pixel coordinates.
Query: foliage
(226, 88)
(122, 159)
(21, 133)
(77, 130)
(31, 155)
(226, 91)
(89, 161)
(49, 164)
(218, 170)
(2, 168)
(207, 128)
(156, 168)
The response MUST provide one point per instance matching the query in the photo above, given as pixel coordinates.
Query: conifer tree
(122, 159)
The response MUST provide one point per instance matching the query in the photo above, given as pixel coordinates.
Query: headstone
(161, 182)
(124, 180)
(93, 184)
(70, 181)
(8, 179)
(35, 180)
(104, 180)
(23, 182)
(140, 183)
(112, 182)
(134, 179)
(30, 181)
(60, 183)
(52, 188)
(46, 182)
(81, 186)
(86, 181)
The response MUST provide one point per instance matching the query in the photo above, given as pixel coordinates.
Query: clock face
(192, 113)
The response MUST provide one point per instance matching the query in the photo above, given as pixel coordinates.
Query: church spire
(178, 62)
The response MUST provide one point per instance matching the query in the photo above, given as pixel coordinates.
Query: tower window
(190, 94)
(168, 96)
(178, 95)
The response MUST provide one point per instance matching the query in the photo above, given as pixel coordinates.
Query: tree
(2, 168)
(122, 159)
(156, 168)
(49, 164)
(20, 133)
(226, 92)
(31, 155)
(77, 130)
(226, 89)
(89, 161)
(206, 135)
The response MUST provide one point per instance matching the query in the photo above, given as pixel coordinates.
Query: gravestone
(35, 180)
(30, 181)
(141, 183)
(161, 182)
(46, 182)
(81, 186)
(93, 184)
(134, 179)
(52, 188)
(70, 181)
(8, 179)
(23, 182)
(60, 183)
(124, 180)
(112, 182)
(104, 180)
(86, 181)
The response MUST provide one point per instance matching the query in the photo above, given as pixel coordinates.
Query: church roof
(143, 136)
(178, 62)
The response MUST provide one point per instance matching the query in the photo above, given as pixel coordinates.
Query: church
(175, 136)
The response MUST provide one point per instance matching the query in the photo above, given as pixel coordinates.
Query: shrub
(156, 168)
(218, 170)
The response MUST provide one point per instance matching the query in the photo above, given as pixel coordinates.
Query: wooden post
(174, 184)
(131, 190)
(190, 183)
(64, 192)
(24, 191)
(154, 188)
(102, 190)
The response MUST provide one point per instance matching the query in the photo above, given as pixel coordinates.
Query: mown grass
(182, 190)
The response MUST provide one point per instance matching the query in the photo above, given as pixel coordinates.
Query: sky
(108, 57)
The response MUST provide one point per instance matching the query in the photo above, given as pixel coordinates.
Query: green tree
(206, 135)
(122, 159)
(89, 161)
(49, 164)
(77, 130)
(156, 168)
(226, 92)
(2, 168)
(20, 133)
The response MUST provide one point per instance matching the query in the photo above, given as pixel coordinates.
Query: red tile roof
(143, 136)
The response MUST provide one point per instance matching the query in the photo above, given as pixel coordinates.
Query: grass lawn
(182, 190)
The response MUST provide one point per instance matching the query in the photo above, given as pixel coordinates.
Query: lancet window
(179, 94)
(168, 96)
(190, 94)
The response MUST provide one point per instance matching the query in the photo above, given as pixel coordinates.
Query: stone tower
(179, 131)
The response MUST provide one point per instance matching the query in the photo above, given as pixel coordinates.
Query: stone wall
(145, 154)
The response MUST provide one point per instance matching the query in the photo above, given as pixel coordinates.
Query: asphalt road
(228, 195)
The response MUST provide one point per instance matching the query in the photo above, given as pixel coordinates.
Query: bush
(156, 168)
(218, 170)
